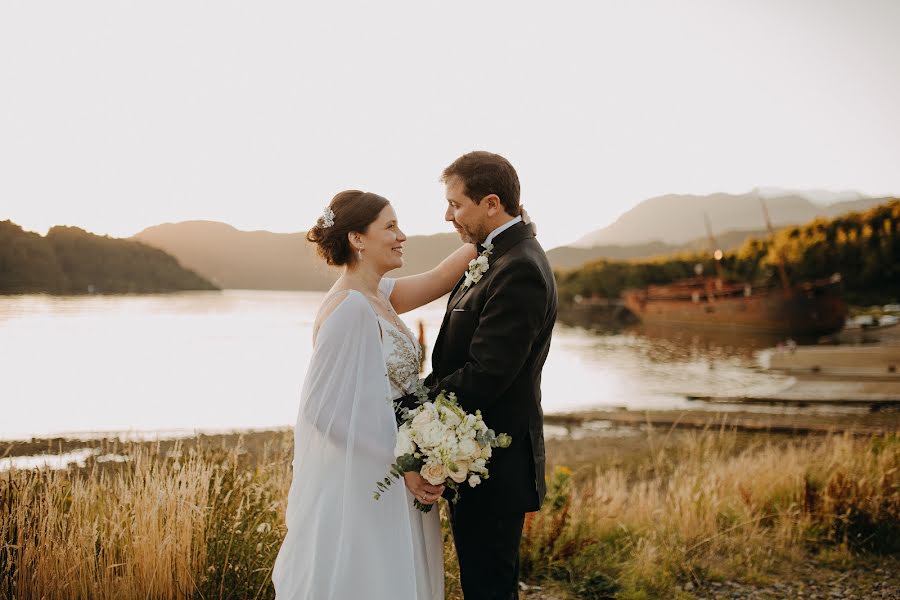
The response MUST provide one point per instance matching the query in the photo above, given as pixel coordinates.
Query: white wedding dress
(341, 543)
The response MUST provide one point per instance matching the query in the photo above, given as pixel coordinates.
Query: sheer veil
(341, 543)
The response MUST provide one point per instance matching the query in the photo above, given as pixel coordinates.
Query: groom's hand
(421, 489)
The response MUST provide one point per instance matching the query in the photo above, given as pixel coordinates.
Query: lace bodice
(400, 349)
(401, 356)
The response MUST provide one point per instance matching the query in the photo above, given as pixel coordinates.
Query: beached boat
(803, 309)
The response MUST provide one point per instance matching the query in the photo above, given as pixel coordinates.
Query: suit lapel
(502, 243)
(459, 296)
(436, 353)
(455, 293)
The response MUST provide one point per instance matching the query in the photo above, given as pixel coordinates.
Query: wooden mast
(714, 248)
(782, 270)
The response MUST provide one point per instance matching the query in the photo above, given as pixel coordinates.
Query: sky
(116, 116)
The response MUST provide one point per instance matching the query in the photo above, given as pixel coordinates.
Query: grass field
(649, 514)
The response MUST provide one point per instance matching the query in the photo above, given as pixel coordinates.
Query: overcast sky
(115, 116)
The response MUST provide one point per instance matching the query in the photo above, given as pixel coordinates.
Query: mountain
(659, 226)
(679, 218)
(237, 259)
(69, 260)
(570, 257)
(286, 261)
(821, 197)
(842, 208)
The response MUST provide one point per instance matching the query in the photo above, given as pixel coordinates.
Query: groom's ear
(493, 204)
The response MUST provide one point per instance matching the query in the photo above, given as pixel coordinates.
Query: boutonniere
(478, 267)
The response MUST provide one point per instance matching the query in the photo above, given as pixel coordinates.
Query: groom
(490, 351)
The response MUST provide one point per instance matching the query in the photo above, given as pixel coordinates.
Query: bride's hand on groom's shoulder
(526, 218)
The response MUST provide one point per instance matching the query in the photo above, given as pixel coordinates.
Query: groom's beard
(470, 236)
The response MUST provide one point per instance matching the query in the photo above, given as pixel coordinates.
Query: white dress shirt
(501, 229)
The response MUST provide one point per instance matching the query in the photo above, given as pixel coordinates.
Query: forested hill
(69, 260)
(864, 247)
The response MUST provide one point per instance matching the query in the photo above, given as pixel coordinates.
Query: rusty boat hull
(805, 309)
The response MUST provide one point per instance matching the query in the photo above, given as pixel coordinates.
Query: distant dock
(835, 375)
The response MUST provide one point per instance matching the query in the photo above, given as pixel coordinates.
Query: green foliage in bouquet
(444, 443)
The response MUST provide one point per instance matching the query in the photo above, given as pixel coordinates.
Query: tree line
(864, 247)
(69, 260)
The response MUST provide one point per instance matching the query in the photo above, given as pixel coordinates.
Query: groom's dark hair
(484, 173)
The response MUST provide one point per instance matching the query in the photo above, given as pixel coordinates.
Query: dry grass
(205, 520)
(166, 524)
(705, 511)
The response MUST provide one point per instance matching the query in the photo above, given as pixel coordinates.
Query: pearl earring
(359, 253)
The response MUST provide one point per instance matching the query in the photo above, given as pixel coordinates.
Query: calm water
(236, 360)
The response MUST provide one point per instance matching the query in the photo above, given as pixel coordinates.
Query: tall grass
(708, 512)
(202, 521)
(197, 523)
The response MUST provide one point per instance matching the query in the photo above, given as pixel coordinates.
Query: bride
(341, 544)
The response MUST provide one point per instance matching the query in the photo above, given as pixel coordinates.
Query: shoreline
(593, 427)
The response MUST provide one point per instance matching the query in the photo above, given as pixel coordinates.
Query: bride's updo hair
(353, 211)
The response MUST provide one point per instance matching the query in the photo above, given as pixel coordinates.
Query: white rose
(424, 417)
(486, 451)
(404, 444)
(415, 436)
(449, 417)
(469, 448)
(433, 434)
(474, 480)
(482, 260)
(435, 473)
(449, 443)
(458, 470)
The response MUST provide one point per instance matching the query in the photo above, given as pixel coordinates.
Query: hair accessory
(327, 218)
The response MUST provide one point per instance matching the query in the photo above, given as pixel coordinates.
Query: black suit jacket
(490, 351)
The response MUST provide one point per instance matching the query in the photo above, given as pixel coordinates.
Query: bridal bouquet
(444, 444)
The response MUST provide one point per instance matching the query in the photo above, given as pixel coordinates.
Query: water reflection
(634, 370)
(675, 342)
(58, 461)
(216, 361)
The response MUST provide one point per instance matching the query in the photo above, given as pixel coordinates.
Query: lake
(236, 359)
